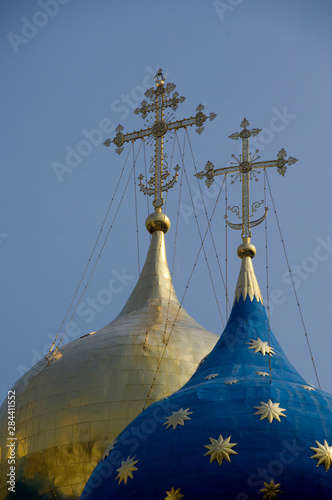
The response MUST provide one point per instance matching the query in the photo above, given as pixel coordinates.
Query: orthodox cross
(161, 97)
(246, 167)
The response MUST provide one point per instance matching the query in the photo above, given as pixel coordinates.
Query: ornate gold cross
(161, 97)
(245, 167)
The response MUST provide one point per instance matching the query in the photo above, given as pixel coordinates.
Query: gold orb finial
(159, 78)
(157, 221)
(246, 249)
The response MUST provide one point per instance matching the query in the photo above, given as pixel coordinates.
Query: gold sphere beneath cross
(246, 249)
(157, 221)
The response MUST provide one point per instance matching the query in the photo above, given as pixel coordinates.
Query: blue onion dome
(245, 426)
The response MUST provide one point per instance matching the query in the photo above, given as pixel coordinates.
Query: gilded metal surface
(161, 97)
(157, 221)
(323, 454)
(271, 490)
(246, 165)
(174, 494)
(126, 470)
(177, 418)
(260, 346)
(247, 282)
(68, 411)
(270, 411)
(220, 449)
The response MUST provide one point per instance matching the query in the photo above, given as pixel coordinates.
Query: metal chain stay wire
(291, 276)
(136, 212)
(95, 265)
(200, 235)
(207, 218)
(267, 279)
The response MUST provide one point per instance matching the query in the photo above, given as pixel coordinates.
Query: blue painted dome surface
(227, 397)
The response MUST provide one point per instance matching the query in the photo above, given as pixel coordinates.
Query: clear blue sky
(70, 67)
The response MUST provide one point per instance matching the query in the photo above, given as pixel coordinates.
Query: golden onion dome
(70, 408)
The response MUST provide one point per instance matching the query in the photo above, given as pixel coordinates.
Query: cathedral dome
(70, 407)
(245, 426)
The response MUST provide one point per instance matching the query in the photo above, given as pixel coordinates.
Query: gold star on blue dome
(263, 374)
(177, 418)
(126, 470)
(220, 449)
(174, 494)
(270, 411)
(271, 490)
(213, 375)
(260, 346)
(323, 454)
(108, 450)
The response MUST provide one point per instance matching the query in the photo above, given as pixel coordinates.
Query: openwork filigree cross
(161, 97)
(245, 166)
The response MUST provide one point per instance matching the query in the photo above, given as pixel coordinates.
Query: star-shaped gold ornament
(263, 374)
(231, 382)
(213, 375)
(108, 450)
(271, 490)
(323, 454)
(177, 418)
(126, 470)
(308, 387)
(174, 494)
(220, 449)
(270, 411)
(260, 346)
